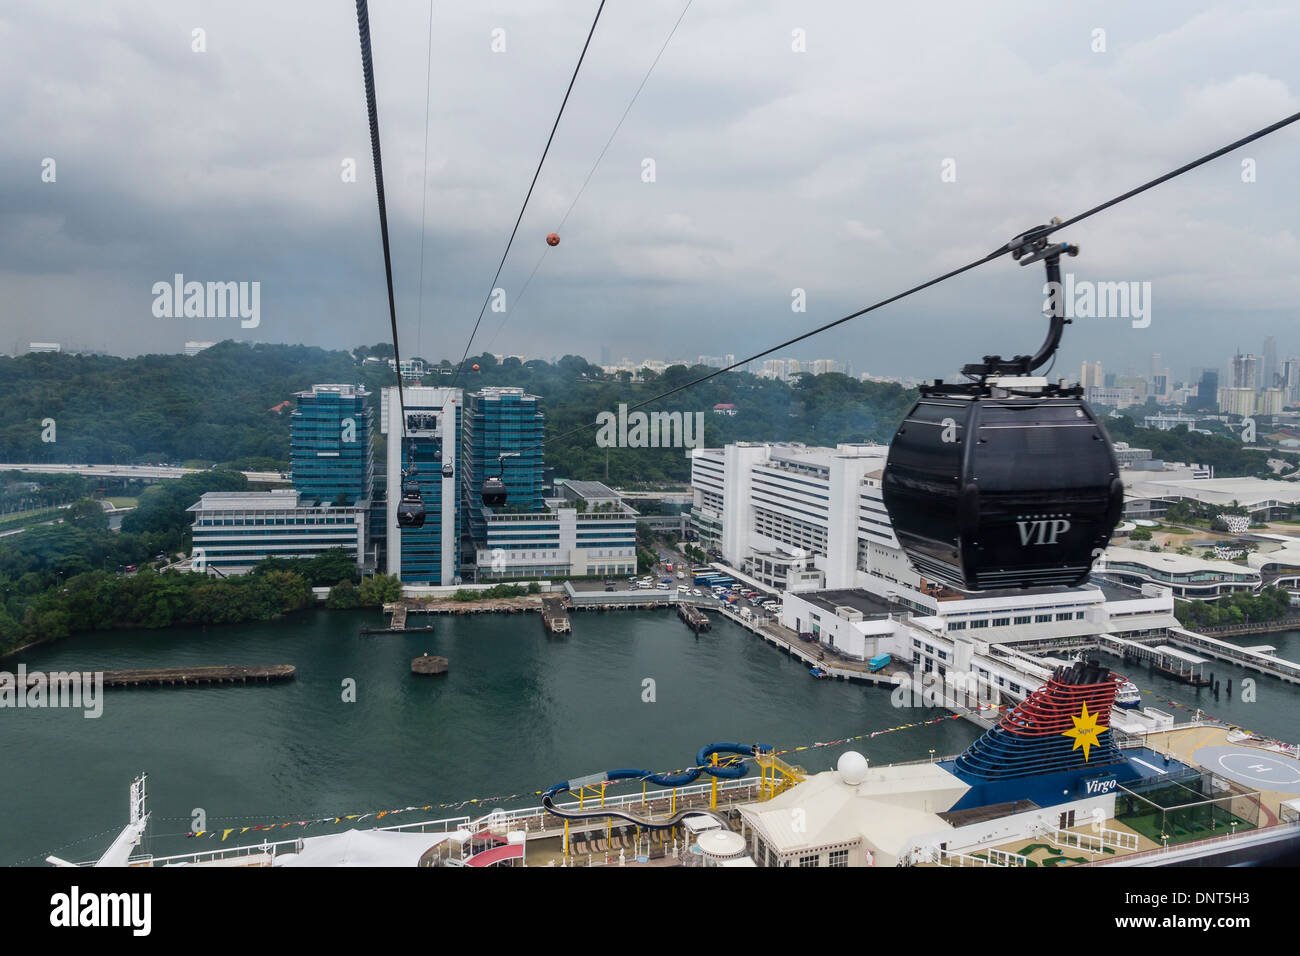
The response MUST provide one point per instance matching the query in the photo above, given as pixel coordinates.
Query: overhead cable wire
(368, 73)
(424, 187)
(995, 254)
(591, 172)
(522, 209)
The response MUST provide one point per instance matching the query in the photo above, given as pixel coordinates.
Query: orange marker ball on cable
(553, 239)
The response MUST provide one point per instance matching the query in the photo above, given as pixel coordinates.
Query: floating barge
(429, 664)
(695, 619)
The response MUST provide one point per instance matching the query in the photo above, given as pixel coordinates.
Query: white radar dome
(852, 767)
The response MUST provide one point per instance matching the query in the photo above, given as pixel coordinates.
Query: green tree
(343, 596)
(379, 590)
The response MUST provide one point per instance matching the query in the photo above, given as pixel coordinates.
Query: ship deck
(1271, 775)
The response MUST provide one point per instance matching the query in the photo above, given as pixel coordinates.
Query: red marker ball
(553, 239)
(476, 368)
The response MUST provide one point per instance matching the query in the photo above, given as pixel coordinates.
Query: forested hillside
(217, 407)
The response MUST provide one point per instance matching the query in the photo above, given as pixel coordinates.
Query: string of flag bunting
(224, 833)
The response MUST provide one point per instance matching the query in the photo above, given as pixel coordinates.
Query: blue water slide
(678, 779)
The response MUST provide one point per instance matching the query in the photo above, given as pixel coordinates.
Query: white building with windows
(235, 530)
(587, 530)
(788, 514)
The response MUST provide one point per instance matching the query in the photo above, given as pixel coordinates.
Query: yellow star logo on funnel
(1085, 731)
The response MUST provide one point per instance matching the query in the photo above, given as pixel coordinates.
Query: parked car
(808, 636)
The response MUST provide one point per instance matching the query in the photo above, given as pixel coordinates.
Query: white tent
(363, 848)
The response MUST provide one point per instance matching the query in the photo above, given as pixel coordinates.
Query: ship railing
(1194, 844)
(516, 818)
(276, 847)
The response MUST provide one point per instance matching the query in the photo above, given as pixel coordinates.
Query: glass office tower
(331, 444)
(501, 420)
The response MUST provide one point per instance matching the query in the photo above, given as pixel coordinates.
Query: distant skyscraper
(1090, 376)
(1245, 372)
(430, 554)
(331, 441)
(1268, 366)
(501, 420)
(1207, 391)
(1291, 380)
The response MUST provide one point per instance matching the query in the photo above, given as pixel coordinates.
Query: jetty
(397, 623)
(695, 619)
(183, 676)
(554, 616)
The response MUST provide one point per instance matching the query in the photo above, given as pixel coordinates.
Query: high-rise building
(1291, 380)
(1270, 402)
(1244, 372)
(501, 421)
(1268, 369)
(331, 440)
(1207, 391)
(429, 554)
(1090, 376)
(1237, 401)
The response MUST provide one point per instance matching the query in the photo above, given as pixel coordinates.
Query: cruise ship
(1052, 783)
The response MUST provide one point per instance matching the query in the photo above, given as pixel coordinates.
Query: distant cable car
(553, 239)
(448, 471)
(1005, 481)
(410, 510)
(494, 491)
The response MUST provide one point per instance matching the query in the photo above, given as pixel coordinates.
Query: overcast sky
(774, 170)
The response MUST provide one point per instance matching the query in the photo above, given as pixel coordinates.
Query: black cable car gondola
(1005, 481)
(494, 489)
(494, 492)
(410, 510)
(448, 471)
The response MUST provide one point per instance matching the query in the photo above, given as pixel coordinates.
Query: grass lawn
(123, 502)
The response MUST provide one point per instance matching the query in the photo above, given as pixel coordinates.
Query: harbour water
(517, 711)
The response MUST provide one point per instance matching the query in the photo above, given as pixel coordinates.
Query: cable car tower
(1007, 480)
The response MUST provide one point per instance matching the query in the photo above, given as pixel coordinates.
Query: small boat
(818, 673)
(1128, 695)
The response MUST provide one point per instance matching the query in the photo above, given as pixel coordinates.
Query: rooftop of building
(495, 392)
(278, 499)
(588, 490)
(1220, 491)
(863, 601)
(1172, 563)
(341, 390)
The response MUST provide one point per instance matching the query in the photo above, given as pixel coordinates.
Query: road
(135, 471)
